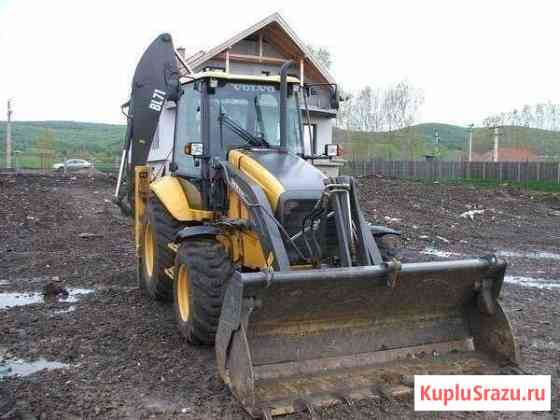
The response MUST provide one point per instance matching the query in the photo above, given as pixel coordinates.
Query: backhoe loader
(274, 263)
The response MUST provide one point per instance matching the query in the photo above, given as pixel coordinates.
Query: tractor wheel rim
(149, 246)
(183, 293)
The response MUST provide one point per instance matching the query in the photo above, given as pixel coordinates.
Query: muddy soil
(121, 354)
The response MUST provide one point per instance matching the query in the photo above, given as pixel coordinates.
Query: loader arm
(262, 218)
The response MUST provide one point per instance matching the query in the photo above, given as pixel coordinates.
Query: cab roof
(240, 77)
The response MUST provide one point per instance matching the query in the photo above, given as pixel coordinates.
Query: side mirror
(194, 149)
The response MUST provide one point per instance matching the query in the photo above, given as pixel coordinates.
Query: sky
(74, 60)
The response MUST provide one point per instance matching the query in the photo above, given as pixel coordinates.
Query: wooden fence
(440, 169)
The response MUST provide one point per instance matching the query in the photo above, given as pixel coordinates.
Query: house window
(310, 137)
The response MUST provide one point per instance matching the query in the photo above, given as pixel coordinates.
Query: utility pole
(496, 143)
(470, 141)
(9, 136)
(436, 141)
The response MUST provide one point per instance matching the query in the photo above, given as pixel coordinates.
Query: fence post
(538, 171)
(500, 172)
(483, 170)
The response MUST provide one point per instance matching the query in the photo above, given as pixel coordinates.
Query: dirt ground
(124, 357)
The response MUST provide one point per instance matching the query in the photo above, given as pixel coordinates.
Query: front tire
(155, 255)
(202, 271)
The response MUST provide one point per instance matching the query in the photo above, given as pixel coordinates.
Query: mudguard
(197, 232)
(169, 191)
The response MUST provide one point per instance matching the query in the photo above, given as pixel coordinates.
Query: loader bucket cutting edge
(288, 341)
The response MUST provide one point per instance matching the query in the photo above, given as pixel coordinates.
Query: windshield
(256, 109)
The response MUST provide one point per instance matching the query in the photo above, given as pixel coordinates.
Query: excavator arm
(155, 80)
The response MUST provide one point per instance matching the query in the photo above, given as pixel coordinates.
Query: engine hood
(279, 174)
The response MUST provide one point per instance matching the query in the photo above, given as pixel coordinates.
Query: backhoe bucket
(289, 341)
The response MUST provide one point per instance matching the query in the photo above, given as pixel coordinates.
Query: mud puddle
(12, 299)
(65, 311)
(545, 344)
(536, 255)
(533, 282)
(20, 367)
(439, 253)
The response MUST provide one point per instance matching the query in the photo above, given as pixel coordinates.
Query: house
(507, 154)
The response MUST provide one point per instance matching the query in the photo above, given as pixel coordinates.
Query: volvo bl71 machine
(274, 263)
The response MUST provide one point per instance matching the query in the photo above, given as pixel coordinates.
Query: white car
(73, 164)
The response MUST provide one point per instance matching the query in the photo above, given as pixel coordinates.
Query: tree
(390, 110)
(539, 116)
(363, 108)
(492, 121)
(345, 109)
(323, 55)
(407, 102)
(527, 116)
(44, 146)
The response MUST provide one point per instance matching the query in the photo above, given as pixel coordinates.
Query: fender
(169, 191)
(197, 232)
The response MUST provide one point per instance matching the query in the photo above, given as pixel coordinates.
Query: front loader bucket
(288, 341)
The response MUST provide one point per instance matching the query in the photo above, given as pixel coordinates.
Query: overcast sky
(73, 60)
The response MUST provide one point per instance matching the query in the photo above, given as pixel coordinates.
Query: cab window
(187, 130)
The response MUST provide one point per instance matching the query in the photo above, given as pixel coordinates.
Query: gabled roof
(274, 19)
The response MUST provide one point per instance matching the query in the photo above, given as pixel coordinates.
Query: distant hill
(70, 136)
(418, 140)
(103, 141)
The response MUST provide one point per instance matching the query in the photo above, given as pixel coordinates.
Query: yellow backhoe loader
(274, 263)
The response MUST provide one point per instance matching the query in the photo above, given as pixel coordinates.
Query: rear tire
(155, 255)
(202, 271)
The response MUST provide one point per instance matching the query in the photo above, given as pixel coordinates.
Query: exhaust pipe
(284, 105)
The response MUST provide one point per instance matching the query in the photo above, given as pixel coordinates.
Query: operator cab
(218, 112)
